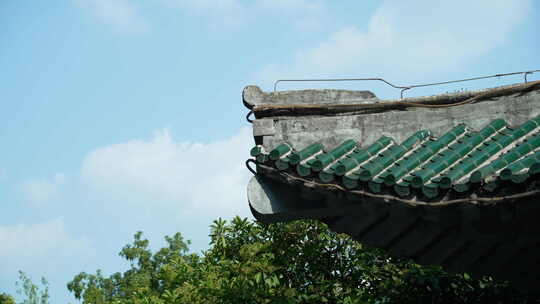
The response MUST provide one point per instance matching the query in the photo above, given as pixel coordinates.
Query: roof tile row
(456, 160)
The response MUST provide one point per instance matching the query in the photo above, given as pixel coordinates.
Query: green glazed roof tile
(375, 187)
(326, 159)
(262, 158)
(282, 164)
(388, 157)
(519, 178)
(444, 160)
(402, 189)
(256, 150)
(350, 181)
(303, 169)
(422, 155)
(520, 165)
(461, 187)
(327, 175)
(360, 156)
(491, 186)
(458, 152)
(481, 155)
(506, 159)
(279, 151)
(456, 161)
(430, 190)
(297, 157)
(534, 169)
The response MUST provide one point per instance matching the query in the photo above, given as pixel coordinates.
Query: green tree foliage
(30, 292)
(6, 299)
(298, 262)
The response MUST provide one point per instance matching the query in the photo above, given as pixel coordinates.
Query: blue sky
(125, 115)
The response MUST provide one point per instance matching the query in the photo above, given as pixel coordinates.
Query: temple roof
(450, 179)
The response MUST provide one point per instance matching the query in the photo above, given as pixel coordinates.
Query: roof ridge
(435, 101)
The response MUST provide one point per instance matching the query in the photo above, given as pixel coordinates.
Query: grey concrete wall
(366, 128)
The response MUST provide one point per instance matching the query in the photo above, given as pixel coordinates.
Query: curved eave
(271, 201)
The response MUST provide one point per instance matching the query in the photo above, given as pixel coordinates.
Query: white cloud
(409, 37)
(193, 177)
(38, 242)
(123, 15)
(43, 190)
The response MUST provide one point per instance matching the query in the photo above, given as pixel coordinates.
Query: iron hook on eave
(247, 116)
(249, 168)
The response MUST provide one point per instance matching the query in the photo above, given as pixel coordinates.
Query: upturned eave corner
(251, 96)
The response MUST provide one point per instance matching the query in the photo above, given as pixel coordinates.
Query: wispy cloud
(409, 37)
(40, 241)
(202, 178)
(124, 16)
(42, 190)
(304, 15)
(218, 14)
(44, 248)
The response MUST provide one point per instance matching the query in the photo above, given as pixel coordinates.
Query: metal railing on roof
(405, 88)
